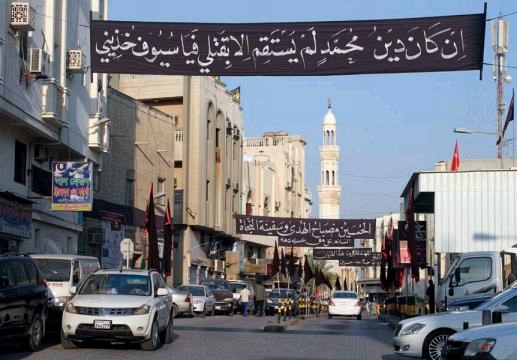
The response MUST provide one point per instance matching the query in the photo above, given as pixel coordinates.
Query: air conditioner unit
(219, 265)
(35, 61)
(40, 153)
(237, 134)
(22, 16)
(236, 187)
(74, 60)
(228, 183)
(289, 185)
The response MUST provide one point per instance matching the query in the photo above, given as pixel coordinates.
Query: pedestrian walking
(260, 297)
(244, 299)
(430, 296)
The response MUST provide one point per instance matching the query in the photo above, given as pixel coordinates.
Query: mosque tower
(329, 190)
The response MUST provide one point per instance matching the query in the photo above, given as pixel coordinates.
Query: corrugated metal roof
(473, 210)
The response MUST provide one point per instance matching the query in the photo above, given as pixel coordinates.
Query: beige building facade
(274, 186)
(207, 167)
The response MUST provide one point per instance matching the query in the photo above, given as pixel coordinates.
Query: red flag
(455, 163)
(153, 258)
(509, 117)
(167, 241)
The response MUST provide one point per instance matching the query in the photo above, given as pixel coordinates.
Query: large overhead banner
(307, 232)
(445, 43)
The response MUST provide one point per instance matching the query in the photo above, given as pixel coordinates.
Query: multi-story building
(52, 108)
(141, 155)
(207, 167)
(274, 186)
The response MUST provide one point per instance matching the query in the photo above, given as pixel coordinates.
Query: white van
(61, 272)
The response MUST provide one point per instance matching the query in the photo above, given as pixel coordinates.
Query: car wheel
(167, 334)
(153, 342)
(67, 344)
(359, 317)
(330, 316)
(35, 333)
(434, 344)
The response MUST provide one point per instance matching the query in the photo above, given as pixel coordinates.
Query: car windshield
(194, 290)
(116, 284)
(499, 298)
(54, 269)
(344, 295)
(237, 287)
(218, 286)
(282, 293)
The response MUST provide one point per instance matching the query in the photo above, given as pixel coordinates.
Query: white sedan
(425, 336)
(344, 303)
(203, 301)
(181, 301)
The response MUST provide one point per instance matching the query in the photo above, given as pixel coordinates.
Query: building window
(130, 191)
(160, 194)
(20, 162)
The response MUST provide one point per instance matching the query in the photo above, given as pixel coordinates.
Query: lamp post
(468, 131)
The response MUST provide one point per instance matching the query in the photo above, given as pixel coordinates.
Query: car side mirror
(4, 282)
(502, 309)
(75, 279)
(73, 290)
(162, 292)
(451, 291)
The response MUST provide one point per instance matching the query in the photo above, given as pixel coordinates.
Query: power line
(502, 16)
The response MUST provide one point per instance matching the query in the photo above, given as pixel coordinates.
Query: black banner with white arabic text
(445, 43)
(307, 232)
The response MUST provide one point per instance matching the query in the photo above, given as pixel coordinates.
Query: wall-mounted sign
(72, 186)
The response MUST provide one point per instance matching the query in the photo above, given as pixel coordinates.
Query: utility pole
(500, 45)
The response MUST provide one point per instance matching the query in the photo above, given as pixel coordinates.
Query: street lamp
(468, 131)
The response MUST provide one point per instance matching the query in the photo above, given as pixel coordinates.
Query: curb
(284, 325)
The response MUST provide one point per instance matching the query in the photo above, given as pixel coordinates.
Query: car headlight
(484, 345)
(144, 309)
(411, 329)
(71, 308)
(60, 301)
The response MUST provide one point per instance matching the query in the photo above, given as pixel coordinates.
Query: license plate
(102, 324)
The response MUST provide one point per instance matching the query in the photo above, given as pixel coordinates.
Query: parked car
(181, 301)
(425, 336)
(132, 306)
(222, 290)
(23, 301)
(496, 342)
(203, 301)
(273, 299)
(62, 272)
(467, 303)
(237, 286)
(344, 303)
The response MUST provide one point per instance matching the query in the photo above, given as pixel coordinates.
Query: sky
(388, 125)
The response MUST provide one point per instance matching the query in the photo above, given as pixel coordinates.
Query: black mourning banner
(307, 232)
(445, 43)
(346, 257)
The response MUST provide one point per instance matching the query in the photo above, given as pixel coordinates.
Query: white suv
(132, 306)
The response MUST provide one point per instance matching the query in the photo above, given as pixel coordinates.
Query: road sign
(127, 248)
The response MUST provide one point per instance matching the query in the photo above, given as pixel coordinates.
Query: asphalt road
(238, 337)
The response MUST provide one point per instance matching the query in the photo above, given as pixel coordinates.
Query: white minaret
(329, 190)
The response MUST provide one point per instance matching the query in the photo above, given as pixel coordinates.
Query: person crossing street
(244, 300)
